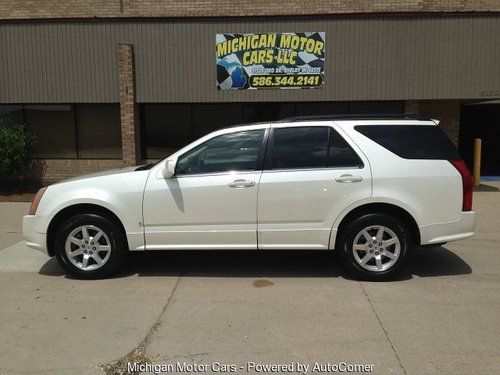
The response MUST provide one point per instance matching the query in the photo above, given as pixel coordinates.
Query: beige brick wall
(446, 111)
(128, 111)
(48, 171)
(27, 9)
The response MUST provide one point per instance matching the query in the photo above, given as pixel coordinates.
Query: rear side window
(311, 147)
(412, 141)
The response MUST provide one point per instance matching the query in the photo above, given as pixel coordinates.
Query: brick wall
(446, 111)
(27, 9)
(48, 171)
(128, 111)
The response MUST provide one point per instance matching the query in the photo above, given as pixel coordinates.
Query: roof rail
(350, 116)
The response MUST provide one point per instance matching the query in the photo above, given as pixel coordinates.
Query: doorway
(481, 120)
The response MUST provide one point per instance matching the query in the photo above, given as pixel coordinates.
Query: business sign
(270, 60)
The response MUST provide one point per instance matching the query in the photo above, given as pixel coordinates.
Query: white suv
(370, 187)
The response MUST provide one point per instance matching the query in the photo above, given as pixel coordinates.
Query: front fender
(123, 198)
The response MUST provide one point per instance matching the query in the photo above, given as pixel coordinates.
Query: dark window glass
(300, 147)
(340, 154)
(376, 107)
(166, 128)
(54, 128)
(321, 108)
(210, 117)
(412, 141)
(229, 152)
(99, 133)
(259, 112)
(11, 114)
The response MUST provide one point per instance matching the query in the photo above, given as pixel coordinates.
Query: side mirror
(169, 168)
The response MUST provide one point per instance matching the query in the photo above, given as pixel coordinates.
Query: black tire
(117, 243)
(345, 243)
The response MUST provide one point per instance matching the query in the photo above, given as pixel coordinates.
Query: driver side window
(228, 152)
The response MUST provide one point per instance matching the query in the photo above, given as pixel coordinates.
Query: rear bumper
(446, 232)
(32, 238)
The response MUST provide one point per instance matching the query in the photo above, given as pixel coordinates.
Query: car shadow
(424, 262)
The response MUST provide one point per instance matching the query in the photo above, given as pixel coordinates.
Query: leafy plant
(16, 144)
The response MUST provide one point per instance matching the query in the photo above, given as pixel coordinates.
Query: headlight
(36, 200)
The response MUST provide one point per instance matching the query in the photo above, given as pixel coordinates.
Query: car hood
(102, 174)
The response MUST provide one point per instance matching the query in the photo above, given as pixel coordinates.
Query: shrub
(15, 150)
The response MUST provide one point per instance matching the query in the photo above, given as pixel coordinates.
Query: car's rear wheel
(90, 246)
(374, 246)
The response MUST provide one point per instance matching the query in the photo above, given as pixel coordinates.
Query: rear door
(311, 175)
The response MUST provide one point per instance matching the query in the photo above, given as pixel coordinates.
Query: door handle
(348, 178)
(241, 183)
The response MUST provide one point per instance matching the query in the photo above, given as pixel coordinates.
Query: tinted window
(54, 128)
(11, 114)
(300, 147)
(229, 152)
(412, 141)
(311, 147)
(99, 131)
(340, 154)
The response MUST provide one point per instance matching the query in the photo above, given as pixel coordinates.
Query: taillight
(36, 200)
(466, 184)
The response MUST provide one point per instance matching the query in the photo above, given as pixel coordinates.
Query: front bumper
(447, 232)
(32, 238)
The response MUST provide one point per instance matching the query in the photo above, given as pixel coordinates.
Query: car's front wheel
(374, 246)
(90, 246)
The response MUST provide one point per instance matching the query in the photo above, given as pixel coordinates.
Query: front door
(211, 201)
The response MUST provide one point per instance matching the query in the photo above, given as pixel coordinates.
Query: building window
(376, 107)
(168, 127)
(321, 108)
(54, 129)
(98, 131)
(11, 114)
(261, 112)
(210, 117)
(69, 131)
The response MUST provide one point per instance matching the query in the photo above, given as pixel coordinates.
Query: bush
(15, 150)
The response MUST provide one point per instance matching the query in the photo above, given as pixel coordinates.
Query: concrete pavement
(441, 316)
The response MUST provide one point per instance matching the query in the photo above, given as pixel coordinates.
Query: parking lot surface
(442, 315)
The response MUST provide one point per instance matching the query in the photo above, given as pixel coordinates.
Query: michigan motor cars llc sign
(270, 60)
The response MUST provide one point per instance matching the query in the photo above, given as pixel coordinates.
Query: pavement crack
(383, 328)
(139, 355)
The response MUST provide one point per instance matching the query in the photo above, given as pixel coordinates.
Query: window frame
(74, 125)
(270, 144)
(259, 161)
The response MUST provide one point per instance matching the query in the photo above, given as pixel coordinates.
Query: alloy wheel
(88, 247)
(376, 248)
